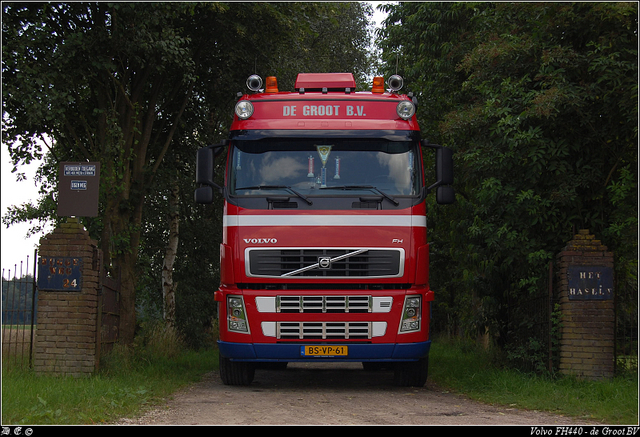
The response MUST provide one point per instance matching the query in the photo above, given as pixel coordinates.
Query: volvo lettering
(260, 240)
(324, 254)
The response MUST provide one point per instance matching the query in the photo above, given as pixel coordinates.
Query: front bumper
(291, 352)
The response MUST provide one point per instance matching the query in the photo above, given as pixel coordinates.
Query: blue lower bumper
(261, 352)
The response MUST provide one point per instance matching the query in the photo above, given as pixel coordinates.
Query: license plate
(324, 351)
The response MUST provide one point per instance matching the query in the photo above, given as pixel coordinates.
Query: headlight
(236, 314)
(405, 109)
(411, 314)
(244, 109)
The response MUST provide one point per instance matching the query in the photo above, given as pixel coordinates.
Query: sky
(16, 247)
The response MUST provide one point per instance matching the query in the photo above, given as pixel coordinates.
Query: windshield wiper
(277, 187)
(364, 187)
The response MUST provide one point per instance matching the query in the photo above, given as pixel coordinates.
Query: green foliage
(139, 87)
(539, 103)
(532, 353)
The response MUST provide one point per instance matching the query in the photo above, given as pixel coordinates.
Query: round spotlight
(244, 109)
(254, 82)
(395, 82)
(405, 109)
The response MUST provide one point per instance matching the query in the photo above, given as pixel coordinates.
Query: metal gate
(108, 312)
(19, 309)
(531, 330)
(626, 330)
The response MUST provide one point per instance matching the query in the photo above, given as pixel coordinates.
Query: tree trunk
(168, 284)
(128, 279)
(126, 224)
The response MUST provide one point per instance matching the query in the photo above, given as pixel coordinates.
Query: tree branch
(171, 132)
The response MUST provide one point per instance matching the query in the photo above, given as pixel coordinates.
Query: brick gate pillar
(585, 287)
(68, 289)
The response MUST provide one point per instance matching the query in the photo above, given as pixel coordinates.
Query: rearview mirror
(205, 172)
(444, 166)
(204, 194)
(444, 173)
(445, 195)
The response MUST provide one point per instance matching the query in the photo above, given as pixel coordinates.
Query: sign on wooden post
(78, 189)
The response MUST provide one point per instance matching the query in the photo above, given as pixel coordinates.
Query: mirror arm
(431, 187)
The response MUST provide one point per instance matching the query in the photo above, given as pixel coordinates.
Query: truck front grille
(324, 304)
(323, 330)
(325, 263)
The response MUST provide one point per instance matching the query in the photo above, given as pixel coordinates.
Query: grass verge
(471, 370)
(127, 383)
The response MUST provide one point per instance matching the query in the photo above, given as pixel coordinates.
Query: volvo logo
(324, 262)
(260, 240)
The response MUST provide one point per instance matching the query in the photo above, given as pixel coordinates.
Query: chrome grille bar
(323, 330)
(324, 304)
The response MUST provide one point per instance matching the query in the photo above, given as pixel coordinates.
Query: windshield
(311, 167)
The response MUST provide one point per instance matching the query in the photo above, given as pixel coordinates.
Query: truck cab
(324, 254)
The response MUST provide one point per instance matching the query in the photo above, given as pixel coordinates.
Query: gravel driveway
(331, 394)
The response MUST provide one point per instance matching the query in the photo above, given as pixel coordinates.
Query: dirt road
(331, 394)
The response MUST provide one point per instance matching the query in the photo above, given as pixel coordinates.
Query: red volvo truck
(324, 254)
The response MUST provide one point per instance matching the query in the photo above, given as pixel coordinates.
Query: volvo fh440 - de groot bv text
(324, 254)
